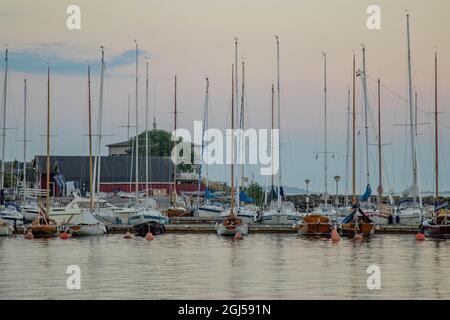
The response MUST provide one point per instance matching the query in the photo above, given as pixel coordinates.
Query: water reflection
(205, 266)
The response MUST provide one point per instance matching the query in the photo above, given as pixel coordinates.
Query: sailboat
(7, 212)
(85, 224)
(207, 208)
(230, 224)
(42, 225)
(279, 212)
(357, 222)
(177, 207)
(319, 222)
(411, 211)
(439, 225)
(369, 208)
(143, 213)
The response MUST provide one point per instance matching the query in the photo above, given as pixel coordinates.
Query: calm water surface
(205, 266)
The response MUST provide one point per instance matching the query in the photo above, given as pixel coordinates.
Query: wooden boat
(231, 224)
(439, 225)
(357, 222)
(42, 226)
(175, 211)
(315, 225)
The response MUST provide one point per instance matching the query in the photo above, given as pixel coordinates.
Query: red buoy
(335, 236)
(238, 236)
(29, 235)
(149, 236)
(64, 235)
(420, 236)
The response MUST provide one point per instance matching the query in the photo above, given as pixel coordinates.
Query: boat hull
(88, 230)
(44, 231)
(364, 229)
(155, 228)
(315, 225)
(279, 219)
(223, 230)
(176, 212)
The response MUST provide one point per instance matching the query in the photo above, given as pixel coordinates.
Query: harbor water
(206, 266)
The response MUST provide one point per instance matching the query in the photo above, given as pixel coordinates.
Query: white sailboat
(411, 211)
(85, 224)
(143, 213)
(366, 205)
(207, 208)
(230, 224)
(279, 212)
(7, 212)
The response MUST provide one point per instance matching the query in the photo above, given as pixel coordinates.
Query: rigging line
(405, 100)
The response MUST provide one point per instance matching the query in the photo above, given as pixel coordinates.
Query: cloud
(64, 59)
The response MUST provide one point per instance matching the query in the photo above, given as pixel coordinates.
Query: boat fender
(238, 236)
(64, 235)
(420, 236)
(149, 236)
(29, 235)
(128, 235)
(357, 237)
(335, 236)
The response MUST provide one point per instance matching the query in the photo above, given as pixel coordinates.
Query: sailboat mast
(137, 130)
(91, 198)
(174, 193)
(325, 154)
(273, 127)
(236, 100)
(354, 135)
(24, 137)
(242, 125)
(5, 93)
(347, 155)
(128, 120)
(47, 178)
(232, 141)
(411, 109)
(279, 122)
(146, 130)
(380, 185)
(366, 127)
(97, 167)
(436, 136)
(205, 124)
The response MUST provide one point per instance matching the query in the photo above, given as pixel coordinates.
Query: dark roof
(119, 144)
(113, 169)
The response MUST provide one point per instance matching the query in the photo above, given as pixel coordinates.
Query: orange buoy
(238, 236)
(29, 235)
(128, 235)
(149, 236)
(420, 236)
(64, 235)
(335, 236)
(357, 236)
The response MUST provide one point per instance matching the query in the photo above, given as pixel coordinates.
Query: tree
(255, 191)
(160, 145)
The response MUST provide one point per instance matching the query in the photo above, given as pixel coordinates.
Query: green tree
(160, 145)
(255, 191)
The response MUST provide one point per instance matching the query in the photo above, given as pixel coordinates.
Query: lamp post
(337, 178)
(307, 181)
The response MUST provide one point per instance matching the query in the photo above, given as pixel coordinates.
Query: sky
(194, 39)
